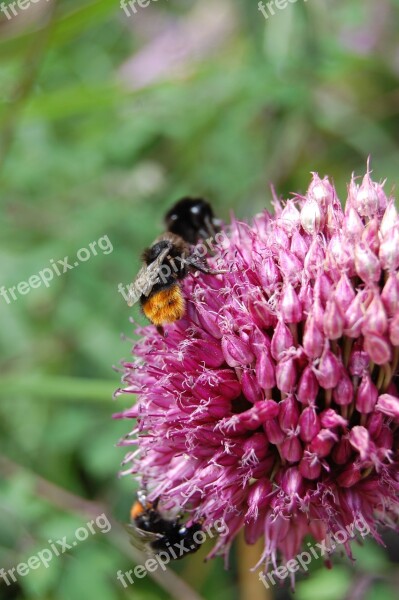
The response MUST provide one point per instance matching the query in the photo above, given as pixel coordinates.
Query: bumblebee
(152, 532)
(169, 260)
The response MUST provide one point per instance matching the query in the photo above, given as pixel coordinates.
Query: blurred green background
(105, 120)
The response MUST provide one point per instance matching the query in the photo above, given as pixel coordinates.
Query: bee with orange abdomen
(153, 532)
(169, 260)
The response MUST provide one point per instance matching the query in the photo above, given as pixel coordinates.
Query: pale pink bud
(353, 225)
(311, 216)
(390, 295)
(389, 219)
(377, 348)
(354, 316)
(314, 258)
(282, 340)
(306, 296)
(290, 217)
(389, 405)
(366, 396)
(290, 307)
(360, 440)
(335, 218)
(269, 273)
(333, 320)
(359, 361)
(290, 266)
(286, 375)
(298, 245)
(344, 293)
(394, 331)
(324, 287)
(321, 190)
(340, 253)
(375, 318)
(328, 371)
(367, 264)
(309, 424)
(313, 339)
(367, 198)
(343, 392)
(307, 387)
(370, 235)
(389, 250)
(352, 193)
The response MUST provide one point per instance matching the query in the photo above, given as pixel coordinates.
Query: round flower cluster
(274, 402)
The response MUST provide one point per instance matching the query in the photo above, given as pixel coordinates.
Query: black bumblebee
(152, 532)
(169, 260)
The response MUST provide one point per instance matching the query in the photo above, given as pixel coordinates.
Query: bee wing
(146, 278)
(140, 538)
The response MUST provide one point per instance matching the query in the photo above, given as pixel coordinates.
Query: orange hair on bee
(165, 306)
(136, 510)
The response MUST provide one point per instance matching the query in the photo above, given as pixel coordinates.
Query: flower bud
(360, 440)
(311, 216)
(333, 323)
(389, 405)
(313, 339)
(289, 414)
(367, 395)
(367, 264)
(282, 340)
(309, 424)
(290, 307)
(307, 387)
(328, 371)
(250, 387)
(377, 348)
(389, 250)
(375, 318)
(390, 295)
(286, 375)
(343, 392)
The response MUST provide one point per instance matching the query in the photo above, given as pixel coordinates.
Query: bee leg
(162, 331)
(198, 264)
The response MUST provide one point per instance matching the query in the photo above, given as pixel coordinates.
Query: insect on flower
(274, 402)
(169, 260)
(152, 532)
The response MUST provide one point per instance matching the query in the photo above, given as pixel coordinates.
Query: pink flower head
(273, 403)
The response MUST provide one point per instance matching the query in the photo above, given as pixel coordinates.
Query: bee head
(192, 218)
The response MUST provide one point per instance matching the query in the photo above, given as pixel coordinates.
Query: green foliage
(83, 154)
